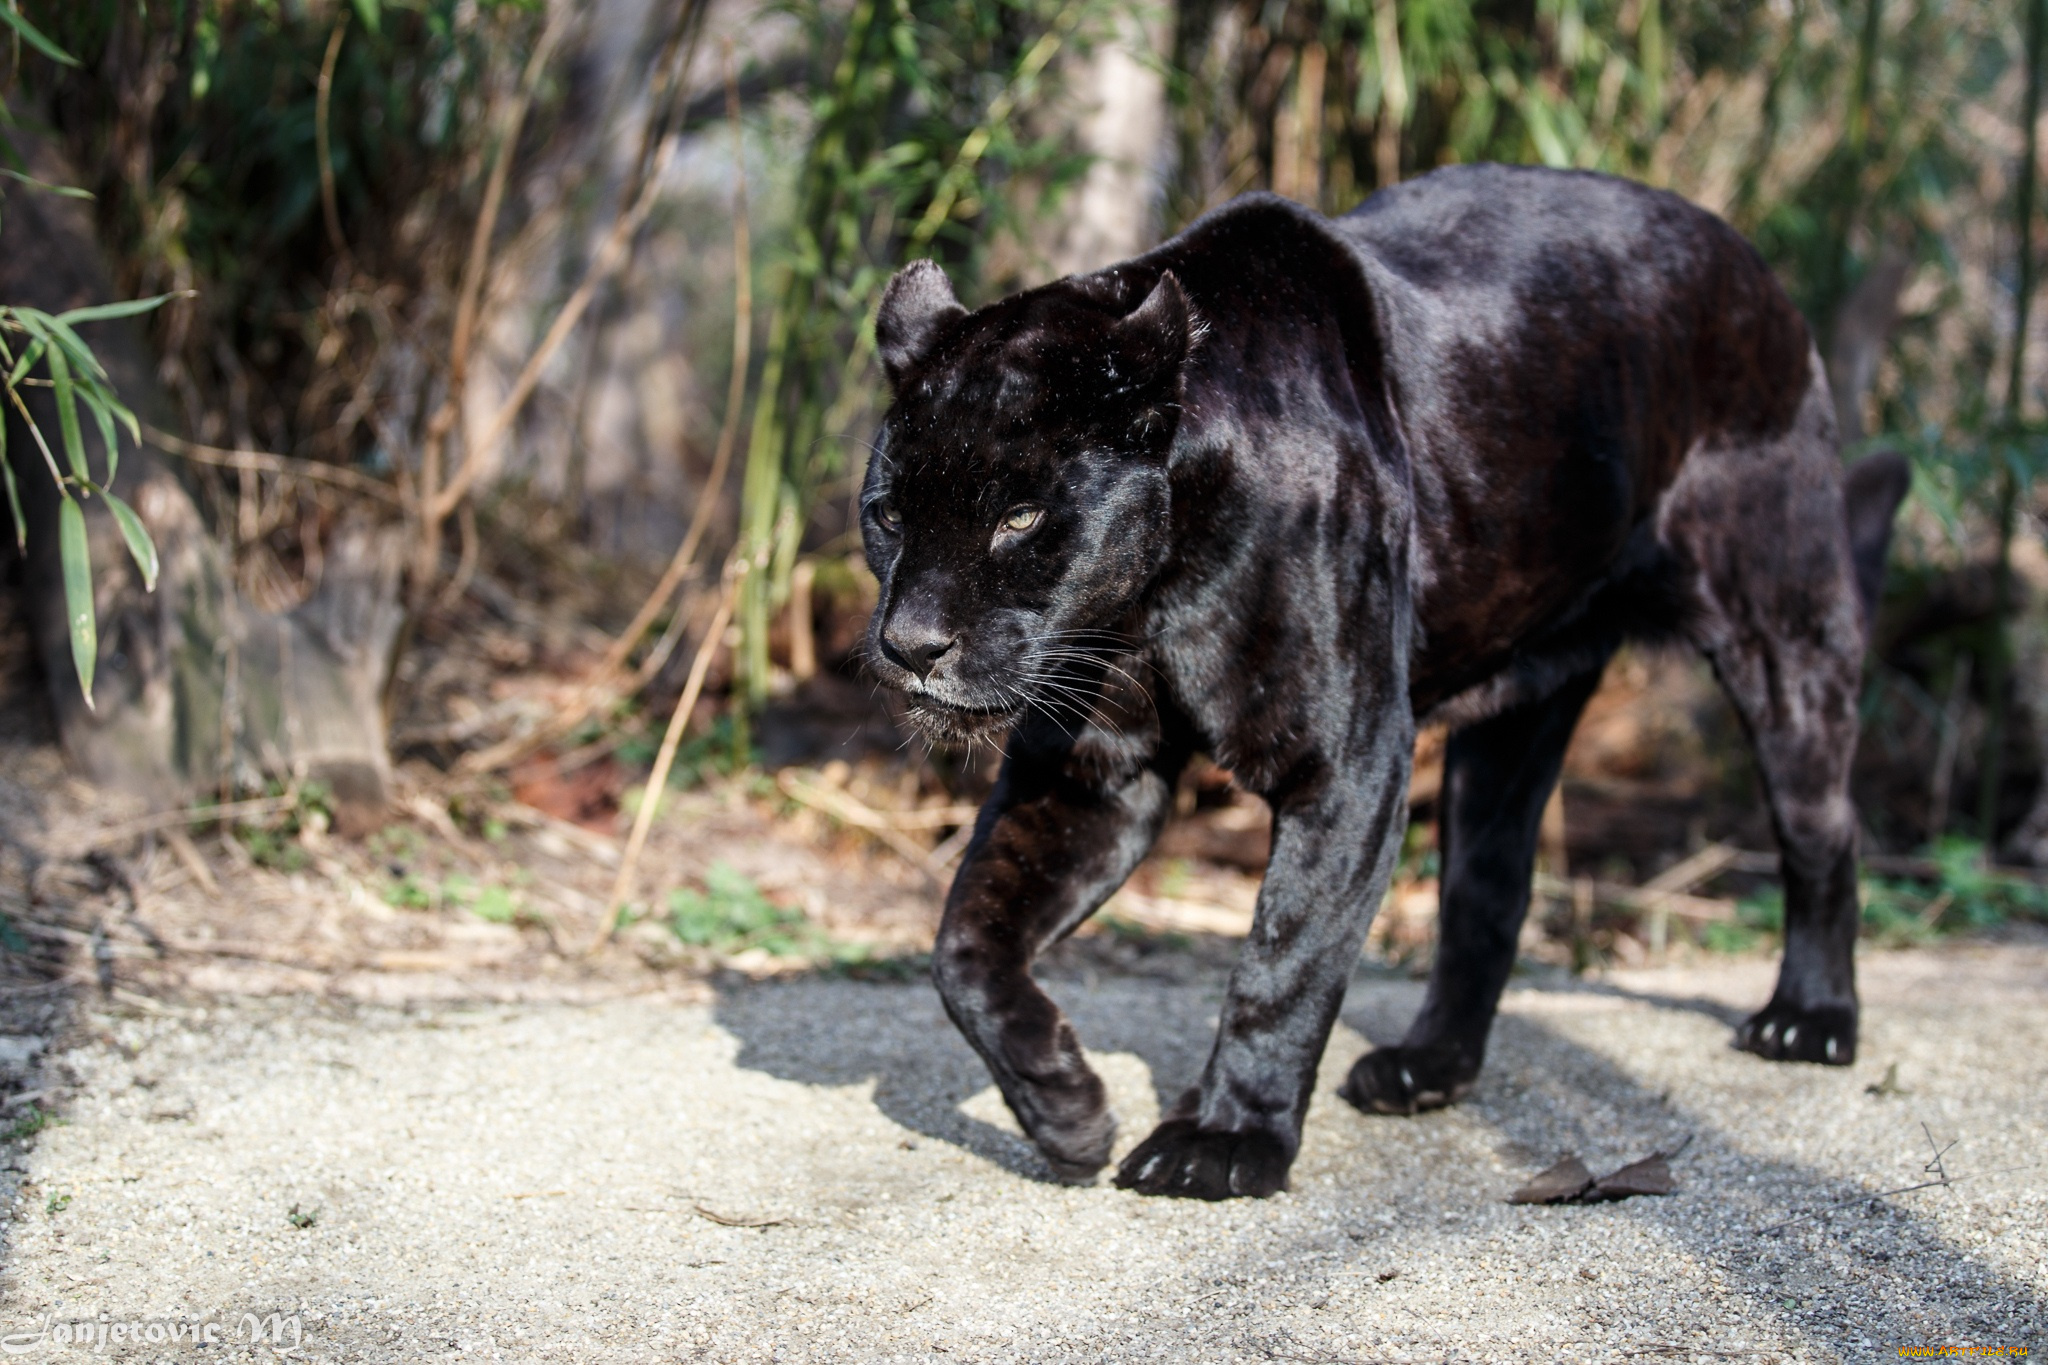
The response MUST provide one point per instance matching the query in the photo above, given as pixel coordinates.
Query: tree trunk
(1115, 211)
(195, 690)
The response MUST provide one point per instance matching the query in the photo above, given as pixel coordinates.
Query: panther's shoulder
(1253, 234)
(1260, 260)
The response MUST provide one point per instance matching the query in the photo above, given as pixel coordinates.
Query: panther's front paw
(1182, 1160)
(1079, 1147)
(1790, 1033)
(1408, 1080)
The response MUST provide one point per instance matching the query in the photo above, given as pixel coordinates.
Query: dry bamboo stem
(266, 463)
(657, 781)
(735, 392)
(603, 689)
(474, 269)
(330, 207)
(611, 253)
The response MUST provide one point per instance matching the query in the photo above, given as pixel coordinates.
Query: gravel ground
(561, 1181)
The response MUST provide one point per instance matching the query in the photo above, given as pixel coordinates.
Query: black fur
(1285, 484)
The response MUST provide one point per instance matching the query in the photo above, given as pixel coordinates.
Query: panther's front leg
(1054, 842)
(1335, 841)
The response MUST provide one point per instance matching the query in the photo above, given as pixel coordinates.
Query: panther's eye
(886, 513)
(1023, 518)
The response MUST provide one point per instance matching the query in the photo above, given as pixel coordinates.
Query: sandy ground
(561, 1181)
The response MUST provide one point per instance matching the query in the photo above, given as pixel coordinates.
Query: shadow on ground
(1543, 1094)
(826, 1031)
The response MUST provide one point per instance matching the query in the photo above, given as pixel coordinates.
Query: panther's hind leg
(1764, 528)
(1498, 773)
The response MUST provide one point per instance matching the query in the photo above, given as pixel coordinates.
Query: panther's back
(1558, 341)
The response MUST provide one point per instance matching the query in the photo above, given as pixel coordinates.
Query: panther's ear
(1150, 343)
(916, 307)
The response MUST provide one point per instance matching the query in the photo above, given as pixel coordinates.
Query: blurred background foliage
(197, 125)
(316, 173)
(919, 125)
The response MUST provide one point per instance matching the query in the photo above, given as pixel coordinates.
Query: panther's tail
(1872, 490)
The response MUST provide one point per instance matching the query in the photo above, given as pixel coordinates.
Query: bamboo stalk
(330, 208)
(604, 689)
(474, 269)
(1386, 141)
(1998, 674)
(611, 253)
(657, 781)
(735, 389)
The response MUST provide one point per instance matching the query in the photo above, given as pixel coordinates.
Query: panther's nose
(915, 646)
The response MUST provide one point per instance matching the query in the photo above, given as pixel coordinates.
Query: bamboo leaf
(78, 609)
(30, 354)
(13, 493)
(83, 361)
(67, 414)
(139, 543)
(33, 36)
(127, 308)
(126, 418)
(68, 191)
(100, 402)
(369, 11)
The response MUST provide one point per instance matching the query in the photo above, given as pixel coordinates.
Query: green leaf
(68, 191)
(34, 38)
(127, 419)
(369, 11)
(127, 308)
(100, 403)
(13, 493)
(78, 612)
(67, 414)
(30, 354)
(83, 361)
(139, 543)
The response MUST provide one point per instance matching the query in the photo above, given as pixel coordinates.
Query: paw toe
(1396, 1080)
(1183, 1161)
(1789, 1033)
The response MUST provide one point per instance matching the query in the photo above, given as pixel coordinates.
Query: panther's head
(1016, 504)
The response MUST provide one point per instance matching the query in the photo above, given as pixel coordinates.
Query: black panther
(1283, 487)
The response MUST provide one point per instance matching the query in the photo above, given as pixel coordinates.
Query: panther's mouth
(951, 722)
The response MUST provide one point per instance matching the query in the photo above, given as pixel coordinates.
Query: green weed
(730, 915)
(274, 842)
(397, 843)
(57, 1204)
(1979, 897)
(496, 904)
(859, 962)
(1419, 857)
(34, 1121)
(487, 901)
(274, 848)
(410, 892)
(1967, 894)
(1895, 913)
(1126, 931)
